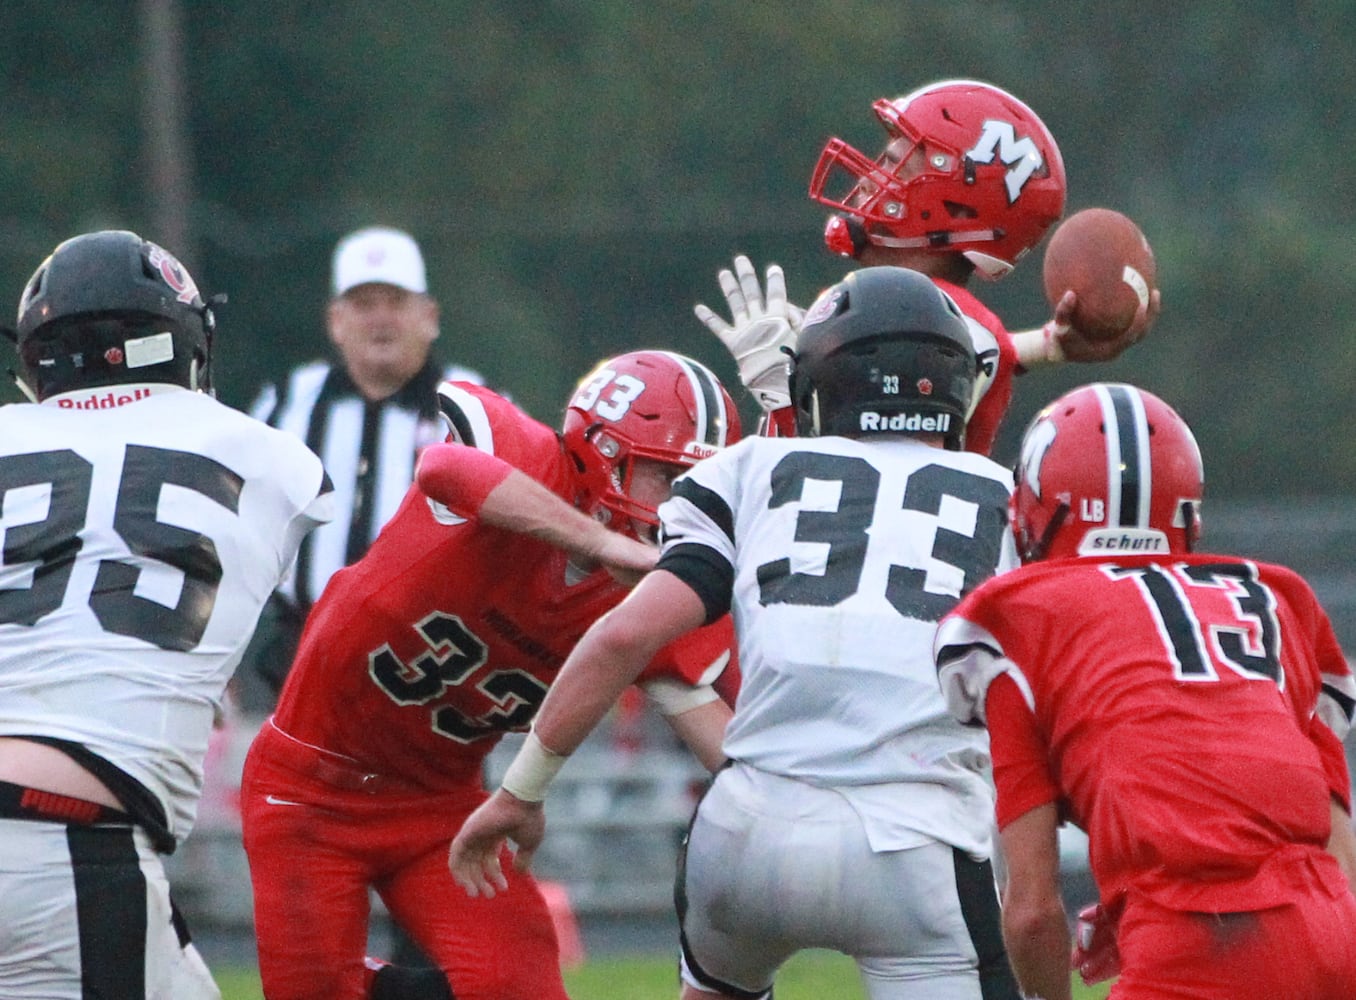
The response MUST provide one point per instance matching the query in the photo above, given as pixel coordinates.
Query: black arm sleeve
(706, 571)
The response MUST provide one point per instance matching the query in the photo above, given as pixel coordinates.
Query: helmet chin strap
(209, 326)
(1057, 519)
(846, 236)
(990, 268)
(196, 381)
(23, 386)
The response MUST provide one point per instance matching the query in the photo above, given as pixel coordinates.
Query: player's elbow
(621, 637)
(1034, 918)
(659, 610)
(458, 476)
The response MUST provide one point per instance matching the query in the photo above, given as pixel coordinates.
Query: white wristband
(532, 771)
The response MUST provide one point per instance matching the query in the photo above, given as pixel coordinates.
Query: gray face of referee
(383, 333)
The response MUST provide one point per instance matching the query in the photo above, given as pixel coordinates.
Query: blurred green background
(577, 172)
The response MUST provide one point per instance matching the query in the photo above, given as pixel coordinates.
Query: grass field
(809, 976)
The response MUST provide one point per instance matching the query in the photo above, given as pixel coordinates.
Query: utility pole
(168, 152)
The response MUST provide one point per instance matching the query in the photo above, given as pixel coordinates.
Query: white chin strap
(193, 374)
(29, 394)
(988, 267)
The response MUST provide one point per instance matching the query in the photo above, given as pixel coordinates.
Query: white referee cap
(379, 255)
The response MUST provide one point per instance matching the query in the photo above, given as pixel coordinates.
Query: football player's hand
(1076, 347)
(626, 559)
(760, 326)
(1095, 955)
(476, 855)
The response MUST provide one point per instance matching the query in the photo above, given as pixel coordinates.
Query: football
(1103, 256)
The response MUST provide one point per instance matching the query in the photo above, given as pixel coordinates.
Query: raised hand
(761, 325)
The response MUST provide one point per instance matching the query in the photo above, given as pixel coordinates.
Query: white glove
(761, 325)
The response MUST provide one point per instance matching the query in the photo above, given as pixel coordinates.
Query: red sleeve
(982, 429)
(1021, 760)
(1327, 719)
(460, 477)
(728, 683)
(704, 655)
(1335, 686)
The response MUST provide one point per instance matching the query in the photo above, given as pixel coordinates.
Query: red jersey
(998, 363)
(1187, 713)
(418, 658)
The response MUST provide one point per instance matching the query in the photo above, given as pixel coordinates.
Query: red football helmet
(645, 404)
(969, 168)
(1107, 469)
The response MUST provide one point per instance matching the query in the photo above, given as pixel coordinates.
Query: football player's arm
(702, 726)
(684, 681)
(611, 656)
(477, 484)
(311, 491)
(1329, 724)
(606, 660)
(968, 659)
(1035, 925)
(1059, 340)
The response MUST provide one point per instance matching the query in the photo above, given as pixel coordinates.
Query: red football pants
(1303, 950)
(315, 849)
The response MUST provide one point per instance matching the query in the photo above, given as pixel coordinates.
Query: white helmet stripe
(1129, 471)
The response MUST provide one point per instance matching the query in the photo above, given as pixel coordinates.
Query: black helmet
(109, 307)
(884, 351)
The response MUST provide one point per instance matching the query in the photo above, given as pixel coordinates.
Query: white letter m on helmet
(1020, 155)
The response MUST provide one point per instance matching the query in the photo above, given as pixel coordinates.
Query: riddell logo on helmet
(107, 401)
(938, 423)
(699, 451)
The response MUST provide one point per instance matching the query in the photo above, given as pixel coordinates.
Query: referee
(367, 417)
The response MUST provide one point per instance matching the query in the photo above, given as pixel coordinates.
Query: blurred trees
(577, 179)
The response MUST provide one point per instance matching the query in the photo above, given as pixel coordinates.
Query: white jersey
(837, 558)
(142, 528)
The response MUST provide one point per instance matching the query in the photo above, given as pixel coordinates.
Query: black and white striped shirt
(369, 450)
